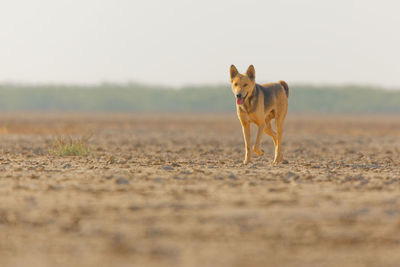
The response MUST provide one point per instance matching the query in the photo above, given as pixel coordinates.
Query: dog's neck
(253, 91)
(250, 103)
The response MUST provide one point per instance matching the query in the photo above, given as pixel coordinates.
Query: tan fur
(262, 103)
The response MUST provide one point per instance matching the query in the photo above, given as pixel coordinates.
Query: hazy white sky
(176, 42)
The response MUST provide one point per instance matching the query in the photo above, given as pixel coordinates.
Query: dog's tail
(286, 87)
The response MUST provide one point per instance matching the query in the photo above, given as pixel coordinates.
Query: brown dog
(260, 104)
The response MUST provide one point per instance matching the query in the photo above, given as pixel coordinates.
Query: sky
(177, 42)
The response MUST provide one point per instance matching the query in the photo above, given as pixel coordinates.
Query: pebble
(232, 176)
(35, 176)
(122, 181)
(67, 165)
(55, 187)
(291, 174)
(179, 178)
(168, 168)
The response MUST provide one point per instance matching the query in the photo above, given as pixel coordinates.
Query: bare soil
(171, 190)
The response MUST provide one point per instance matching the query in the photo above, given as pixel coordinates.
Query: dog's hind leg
(279, 132)
(268, 130)
(256, 147)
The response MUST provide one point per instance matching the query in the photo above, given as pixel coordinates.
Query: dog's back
(274, 93)
(276, 88)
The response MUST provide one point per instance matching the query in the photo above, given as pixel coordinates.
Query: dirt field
(171, 190)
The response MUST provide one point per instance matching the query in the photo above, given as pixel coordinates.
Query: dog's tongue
(239, 101)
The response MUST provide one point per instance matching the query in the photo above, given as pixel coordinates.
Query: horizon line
(188, 85)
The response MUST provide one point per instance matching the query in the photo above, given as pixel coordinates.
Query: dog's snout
(239, 95)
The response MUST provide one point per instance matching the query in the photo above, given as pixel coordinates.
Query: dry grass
(69, 146)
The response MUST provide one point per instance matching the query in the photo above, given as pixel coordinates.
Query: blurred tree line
(137, 97)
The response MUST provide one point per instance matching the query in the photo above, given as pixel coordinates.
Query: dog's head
(242, 84)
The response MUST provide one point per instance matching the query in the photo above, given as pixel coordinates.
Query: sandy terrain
(170, 190)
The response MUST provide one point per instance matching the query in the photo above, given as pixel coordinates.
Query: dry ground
(170, 190)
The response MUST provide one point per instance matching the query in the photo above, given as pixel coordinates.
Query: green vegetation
(67, 146)
(136, 97)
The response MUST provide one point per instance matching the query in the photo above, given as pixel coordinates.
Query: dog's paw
(278, 160)
(258, 151)
(245, 161)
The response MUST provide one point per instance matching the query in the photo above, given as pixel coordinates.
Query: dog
(259, 104)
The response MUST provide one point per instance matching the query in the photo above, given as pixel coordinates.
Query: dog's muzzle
(240, 99)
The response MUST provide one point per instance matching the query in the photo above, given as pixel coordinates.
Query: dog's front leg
(246, 135)
(256, 147)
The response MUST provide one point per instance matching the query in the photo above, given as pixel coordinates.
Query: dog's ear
(251, 73)
(233, 71)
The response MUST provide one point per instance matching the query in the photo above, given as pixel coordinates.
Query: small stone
(348, 178)
(168, 168)
(35, 176)
(122, 181)
(38, 151)
(111, 160)
(134, 208)
(232, 176)
(359, 177)
(55, 187)
(179, 178)
(285, 161)
(67, 165)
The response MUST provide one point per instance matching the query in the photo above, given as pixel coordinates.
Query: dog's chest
(250, 106)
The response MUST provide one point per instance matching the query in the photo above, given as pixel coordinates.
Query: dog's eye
(244, 85)
(235, 84)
